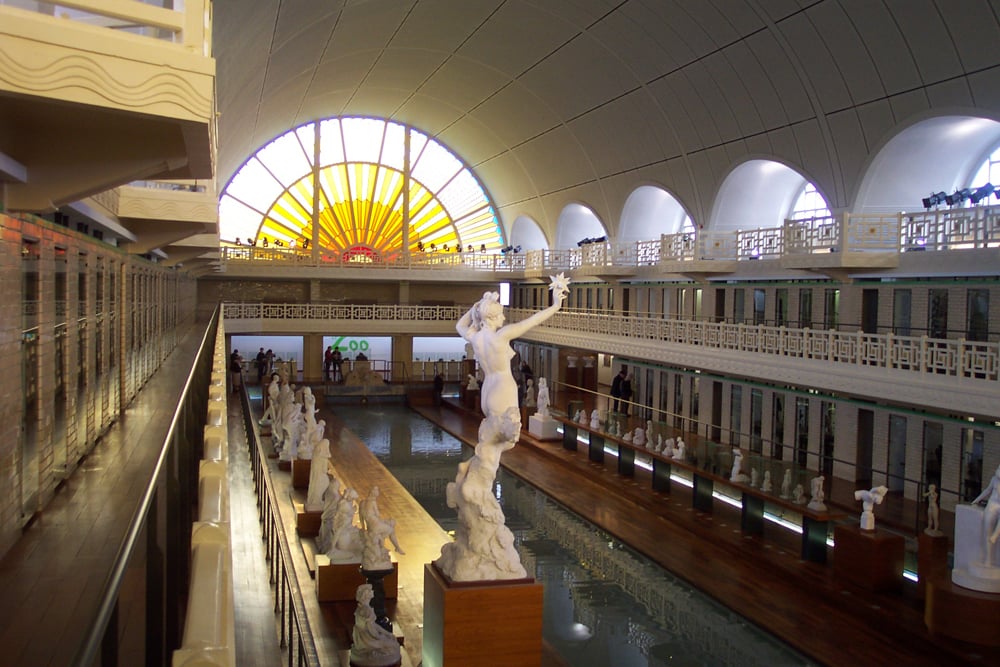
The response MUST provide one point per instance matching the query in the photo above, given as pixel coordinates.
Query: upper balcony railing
(874, 235)
(182, 23)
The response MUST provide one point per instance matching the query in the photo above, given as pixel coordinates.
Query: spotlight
(420, 246)
(958, 196)
(981, 193)
(482, 247)
(237, 240)
(517, 249)
(935, 199)
(265, 242)
(305, 244)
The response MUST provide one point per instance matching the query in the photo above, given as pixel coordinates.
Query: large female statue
(484, 547)
(483, 326)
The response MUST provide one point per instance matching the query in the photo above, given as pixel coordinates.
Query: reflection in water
(605, 605)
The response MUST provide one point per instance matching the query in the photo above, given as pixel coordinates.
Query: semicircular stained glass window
(349, 176)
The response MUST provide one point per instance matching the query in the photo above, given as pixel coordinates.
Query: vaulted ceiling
(559, 101)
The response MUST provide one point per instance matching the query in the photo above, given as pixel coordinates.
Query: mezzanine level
(852, 242)
(952, 374)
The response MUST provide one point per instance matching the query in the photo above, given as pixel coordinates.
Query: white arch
(526, 233)
(577, 222)
(932, 155)
(649, 212)
(756, 194)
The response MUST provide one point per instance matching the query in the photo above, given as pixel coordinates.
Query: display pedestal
(307, 523)
(284, 465)
(543, 428)
(960, 613)
(338, 582)
(481, 623)
(871, 559)
(300, 473)
(932, 559)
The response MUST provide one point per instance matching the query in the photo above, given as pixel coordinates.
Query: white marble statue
(543, 399)
(680, 450)
(639, 437)
(933, 512)
(754, 477)
(319, 477)
(371, 644)
(331, 499)
(659, 443)
(817, 496)
(581, 417)
(345, 541)
(375, 555)
(799, 495)
(595, 419)
(868, 500)
(484, 547)
(991, 517)
(627, 437)
(273, 389)
(471, 383)
(786, 484)
(737, 474)
(529, 394)
(766, 486)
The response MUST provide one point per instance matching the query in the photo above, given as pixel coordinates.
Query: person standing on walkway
(616, 389)
(337, 361)
(327, 362)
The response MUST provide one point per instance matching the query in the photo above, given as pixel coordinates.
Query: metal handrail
(295, 633)
(101, 635)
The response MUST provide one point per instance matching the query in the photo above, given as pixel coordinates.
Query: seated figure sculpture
(345, 540)
(372, 645)
(868, 500)
(680, 451)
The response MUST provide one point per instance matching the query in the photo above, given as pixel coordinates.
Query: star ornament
(559, 284)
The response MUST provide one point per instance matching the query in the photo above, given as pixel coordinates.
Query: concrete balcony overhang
(86, 108)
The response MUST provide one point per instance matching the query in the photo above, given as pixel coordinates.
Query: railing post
(960, 357)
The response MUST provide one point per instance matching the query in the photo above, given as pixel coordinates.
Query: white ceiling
(581, 101)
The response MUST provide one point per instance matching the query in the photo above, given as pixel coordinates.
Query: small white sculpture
(543, 398)
(627, 437)
(659, 443)
(766, 485)
(680, 450)
(799, 495)
(331, 499)
(372, 645)
(754, 477)
(345, 541)
(933, 512)
(595, 419)
(737, 475)
(868, 500)
(471, 383)
(273, 390)
(529, 394)
(816, 488)
(786, 484)
(639, 437)
(581, 417)
(319, 478)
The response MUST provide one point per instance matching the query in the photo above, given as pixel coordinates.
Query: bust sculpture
(799, 495)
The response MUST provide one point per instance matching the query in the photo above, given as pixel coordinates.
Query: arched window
(361, 188)
(809, 204)
(989, 172)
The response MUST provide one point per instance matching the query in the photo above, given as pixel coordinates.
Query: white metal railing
(958, 357)
(160, 21)
(951, 229)
(954, 357)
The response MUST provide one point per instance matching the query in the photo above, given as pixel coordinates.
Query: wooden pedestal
(960, 613)
(307, 523)
(932, 559)
(481, 624)
(300, 473)
(871, 559)
(338, 582)
(285, 466)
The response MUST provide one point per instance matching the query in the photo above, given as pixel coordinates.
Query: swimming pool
(605, 605)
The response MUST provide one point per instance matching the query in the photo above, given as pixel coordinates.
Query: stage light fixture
(935, 199)
(981, 193)
(957, 197)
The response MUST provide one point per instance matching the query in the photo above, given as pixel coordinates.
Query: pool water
(605, 605)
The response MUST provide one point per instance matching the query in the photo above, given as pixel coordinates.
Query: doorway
(896, 465)
(863, 451)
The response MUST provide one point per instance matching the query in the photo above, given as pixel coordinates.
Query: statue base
(300, 473)
(543, 428)
(457, 632)
(307, 522)
(969, 616)
(971, 569)
(932, 559)
(871, 559)
(284, 465)
(338, 582)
